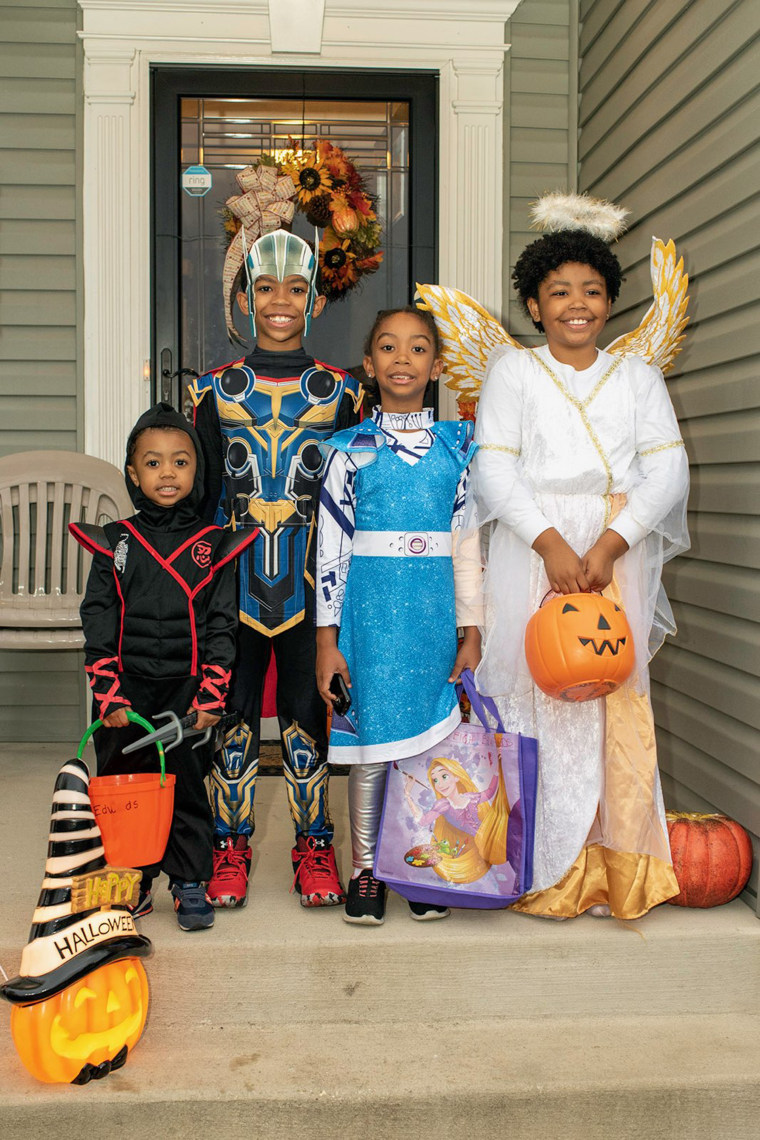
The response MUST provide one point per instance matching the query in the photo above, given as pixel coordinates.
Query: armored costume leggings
(303, 734)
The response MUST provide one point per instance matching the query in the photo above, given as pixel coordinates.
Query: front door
(223, 120)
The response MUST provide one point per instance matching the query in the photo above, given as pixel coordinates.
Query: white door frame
(462, 40)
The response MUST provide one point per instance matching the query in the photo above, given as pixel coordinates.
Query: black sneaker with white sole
(426, 912)
(365, 902)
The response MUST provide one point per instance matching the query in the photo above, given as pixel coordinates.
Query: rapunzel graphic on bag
(469, 825)
(458, 819)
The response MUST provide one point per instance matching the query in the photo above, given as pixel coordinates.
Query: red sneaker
(316, 875)
(229, 882)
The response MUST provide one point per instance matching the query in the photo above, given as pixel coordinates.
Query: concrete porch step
(507, 965)
(282, 1021)
(592, 1078)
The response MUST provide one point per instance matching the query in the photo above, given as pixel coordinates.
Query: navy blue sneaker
(194, 911)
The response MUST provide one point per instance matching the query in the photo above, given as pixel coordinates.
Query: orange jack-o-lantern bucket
(579, 647)
(133, 810)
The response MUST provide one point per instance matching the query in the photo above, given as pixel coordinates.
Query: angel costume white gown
(581, 451)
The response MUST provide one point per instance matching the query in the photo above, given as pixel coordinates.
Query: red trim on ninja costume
(123, 611)
(87, 543)
(215, 684)
(238, 550)
(97, 672)
(183, 586)
(193, 538)
(190, 594)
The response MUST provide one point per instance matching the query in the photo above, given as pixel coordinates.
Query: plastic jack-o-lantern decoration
(712, 858)
(579, 647)
(87, 1030)
(81, 997)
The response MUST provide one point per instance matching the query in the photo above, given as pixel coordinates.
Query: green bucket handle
(136, 719)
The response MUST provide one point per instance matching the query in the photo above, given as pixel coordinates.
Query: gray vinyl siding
(40, 304)
(669, 124)
(540, 127)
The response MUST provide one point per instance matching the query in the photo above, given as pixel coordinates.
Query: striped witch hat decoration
(81, 921)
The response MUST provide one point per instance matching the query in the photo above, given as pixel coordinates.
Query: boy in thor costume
(261, 420)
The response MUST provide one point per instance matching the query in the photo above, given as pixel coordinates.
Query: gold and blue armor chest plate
(271, 430)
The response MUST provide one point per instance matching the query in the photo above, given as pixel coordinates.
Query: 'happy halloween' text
(92, 931)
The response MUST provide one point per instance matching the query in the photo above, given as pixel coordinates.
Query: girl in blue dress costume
(395, 577)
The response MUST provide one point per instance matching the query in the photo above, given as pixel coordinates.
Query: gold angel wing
(468, 333)
(659, 336)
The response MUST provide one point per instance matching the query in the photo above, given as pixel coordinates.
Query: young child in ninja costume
(582, 472)
(159, 617)
(261, 420)
(396, 577)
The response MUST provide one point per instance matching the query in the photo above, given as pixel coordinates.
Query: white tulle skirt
(573, 807)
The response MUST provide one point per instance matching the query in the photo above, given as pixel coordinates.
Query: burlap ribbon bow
(266, 204)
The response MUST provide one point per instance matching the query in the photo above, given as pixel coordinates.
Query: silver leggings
(366, 785)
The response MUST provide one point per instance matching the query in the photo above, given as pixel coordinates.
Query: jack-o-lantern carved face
(80, 1032)
(579, 647)
(605, 639)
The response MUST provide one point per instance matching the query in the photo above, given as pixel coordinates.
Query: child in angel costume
(394, 580)
(581, 479)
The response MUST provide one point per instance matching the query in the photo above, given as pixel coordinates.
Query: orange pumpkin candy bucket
(579, 647)
(133, 810)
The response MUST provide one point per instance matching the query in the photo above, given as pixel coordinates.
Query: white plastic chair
(44, 570)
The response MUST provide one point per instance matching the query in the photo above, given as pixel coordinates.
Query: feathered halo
(559, 211)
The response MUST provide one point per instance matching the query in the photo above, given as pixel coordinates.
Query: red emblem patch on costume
(201, 553)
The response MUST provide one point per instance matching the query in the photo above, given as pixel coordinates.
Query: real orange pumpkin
(712, 858)
(579, 647)
(87, 1023)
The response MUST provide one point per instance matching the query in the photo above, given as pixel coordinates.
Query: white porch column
(475, 201)
(113, 385)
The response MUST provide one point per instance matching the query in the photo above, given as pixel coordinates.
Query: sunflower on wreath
(324, 185)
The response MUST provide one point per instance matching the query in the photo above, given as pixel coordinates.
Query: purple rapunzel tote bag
(458, 820)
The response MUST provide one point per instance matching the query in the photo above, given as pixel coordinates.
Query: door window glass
(226, 134)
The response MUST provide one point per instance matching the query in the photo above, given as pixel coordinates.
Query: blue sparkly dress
(398, 624)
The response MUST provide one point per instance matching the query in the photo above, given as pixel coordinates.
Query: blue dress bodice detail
(392, 495)
(398, 625)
